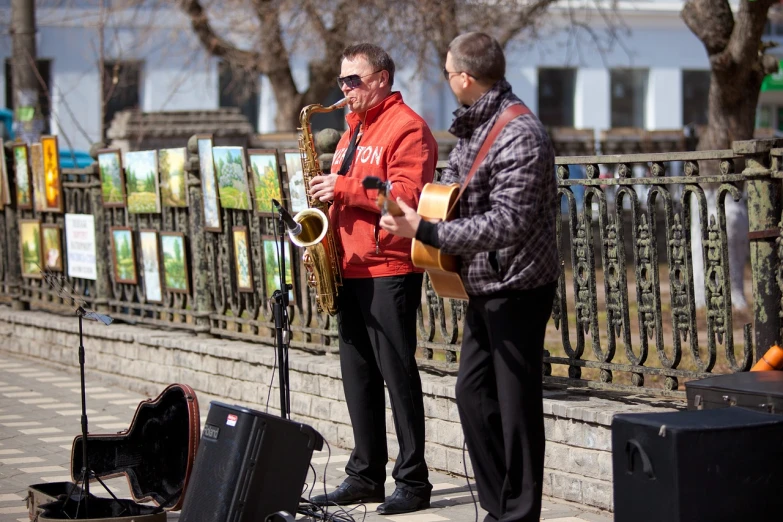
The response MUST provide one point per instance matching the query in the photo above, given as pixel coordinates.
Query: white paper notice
(80, 246)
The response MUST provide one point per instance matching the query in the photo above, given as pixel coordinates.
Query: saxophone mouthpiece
(340, 104)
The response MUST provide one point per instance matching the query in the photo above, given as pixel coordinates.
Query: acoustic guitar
(434, 205)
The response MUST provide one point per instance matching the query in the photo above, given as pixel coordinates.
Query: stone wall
(578, 453)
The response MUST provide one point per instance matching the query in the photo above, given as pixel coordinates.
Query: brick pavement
(40, 409)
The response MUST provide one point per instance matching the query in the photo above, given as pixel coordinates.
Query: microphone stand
(280, 310)
(82, 313)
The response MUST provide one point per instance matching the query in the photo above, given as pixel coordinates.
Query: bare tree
(266, 36)
(738, 65)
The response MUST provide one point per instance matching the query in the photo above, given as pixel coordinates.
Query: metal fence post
(763, 216)
(13, 262)
(202, 297)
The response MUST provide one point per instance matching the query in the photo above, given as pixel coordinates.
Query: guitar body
(443, 269)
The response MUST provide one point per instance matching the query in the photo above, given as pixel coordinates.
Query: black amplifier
(762, 391)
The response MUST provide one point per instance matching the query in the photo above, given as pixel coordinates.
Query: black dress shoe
(403, 501)
(346, 494)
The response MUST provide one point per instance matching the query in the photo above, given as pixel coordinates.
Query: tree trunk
(28, 121)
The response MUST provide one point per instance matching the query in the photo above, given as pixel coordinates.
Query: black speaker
(698, 466)
(248, 466)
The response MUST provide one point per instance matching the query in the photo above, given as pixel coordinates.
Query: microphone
(293, 227)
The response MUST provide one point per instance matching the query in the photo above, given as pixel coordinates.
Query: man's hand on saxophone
(322, 187)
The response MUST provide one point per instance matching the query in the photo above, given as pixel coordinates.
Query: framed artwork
(24, 193)
(30, 242)
(141, 179)
(150, 266)
(53, 189)
(232, 177)
(272, 266)
(52, 240)
(175, 263)
(112, 178)
(208, 184)
(297, 192)
(5, 189)
(37, 169)
(173, 186)
(242, 267)
(123, 255)
(80, 246)
(265, 174)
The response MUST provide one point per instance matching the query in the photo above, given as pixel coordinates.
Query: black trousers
(499, 398)
(377, 328)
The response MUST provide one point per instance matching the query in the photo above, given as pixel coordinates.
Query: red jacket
(396, 145)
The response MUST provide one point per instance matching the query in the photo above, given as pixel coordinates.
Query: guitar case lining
(155, 454)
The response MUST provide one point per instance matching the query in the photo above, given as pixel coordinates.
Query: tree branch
(749, 26)
(527, 17)
(711, 21)
(214, 44)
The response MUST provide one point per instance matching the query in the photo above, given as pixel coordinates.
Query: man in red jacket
(381, 289)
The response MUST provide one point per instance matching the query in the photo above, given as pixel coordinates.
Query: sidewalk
(40, 409)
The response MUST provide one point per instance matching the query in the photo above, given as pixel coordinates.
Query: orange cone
(772, 360)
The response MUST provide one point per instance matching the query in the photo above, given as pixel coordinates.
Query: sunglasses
(352, 81)
(447, 74)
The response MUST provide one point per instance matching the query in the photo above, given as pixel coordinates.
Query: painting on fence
(175, 263)
(123, 255)
(30, 242)
(5, 189)
(150, 262)
(272, 266)
(53, 189)
(141, 179)
(266, 180)
(37, 169)
(208, 184)
(173, 188)
(232, 177)
(80, 246)
(51, 237)
(24, 194)
(112, 178)
(242, 266)
(296, 187)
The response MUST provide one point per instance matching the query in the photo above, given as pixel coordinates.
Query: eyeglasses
(447, 74)
(352, 81)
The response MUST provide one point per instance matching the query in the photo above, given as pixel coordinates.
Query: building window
(629, 97)
(773, 28)
(556, 97)
(695, 96)
(44, 84)
(333, 119)
(239, 89)
(121, 89)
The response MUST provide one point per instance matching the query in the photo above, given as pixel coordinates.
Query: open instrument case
(155, 454)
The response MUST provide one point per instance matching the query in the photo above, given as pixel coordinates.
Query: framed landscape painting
(232, 177)
(150, 266)
(208, 184)
(24, 193)
(173, 186)
(141, 179)
(30, 243)
(37, 170)
(266, 180)
(51, 237)
(112, 178)
(53, 190)
(175, 262)
(123, 255)
(272, 266)
(242, 267)
(297, 192)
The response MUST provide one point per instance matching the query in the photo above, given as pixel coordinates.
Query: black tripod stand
(83, 313)
(280, 311)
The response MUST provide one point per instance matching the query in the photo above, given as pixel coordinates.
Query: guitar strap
(505, 117)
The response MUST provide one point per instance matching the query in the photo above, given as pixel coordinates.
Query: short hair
(479, 55)
(375, 55)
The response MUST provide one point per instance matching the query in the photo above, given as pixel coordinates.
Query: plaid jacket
(505, 233)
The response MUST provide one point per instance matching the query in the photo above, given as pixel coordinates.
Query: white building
(657, 79)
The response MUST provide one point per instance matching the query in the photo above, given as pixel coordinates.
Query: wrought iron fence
(626, 251)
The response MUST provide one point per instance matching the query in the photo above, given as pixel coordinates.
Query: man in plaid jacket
(505, 237)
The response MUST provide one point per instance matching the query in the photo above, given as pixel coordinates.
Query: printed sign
(232, 419)
(80, 246)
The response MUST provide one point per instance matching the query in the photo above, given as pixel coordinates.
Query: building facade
(654, 76)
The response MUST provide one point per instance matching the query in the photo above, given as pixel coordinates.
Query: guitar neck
(390, 205)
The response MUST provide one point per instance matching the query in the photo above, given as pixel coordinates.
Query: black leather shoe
(346, 494)
(403, 501)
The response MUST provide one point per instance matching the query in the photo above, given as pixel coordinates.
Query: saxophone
(316, 237)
